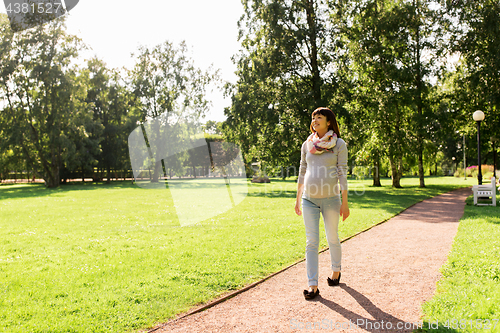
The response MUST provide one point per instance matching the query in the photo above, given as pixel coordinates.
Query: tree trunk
(396, 174)
(421, 168)
(156, 172)
(494, 161)
(376, 170)
(313, 35)
(400, 170)
(419, 105)
(108, 178)
(53, 177)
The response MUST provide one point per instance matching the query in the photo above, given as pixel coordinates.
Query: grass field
(114, 258)
(468, 295)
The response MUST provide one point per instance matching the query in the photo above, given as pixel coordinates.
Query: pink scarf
(315, 145)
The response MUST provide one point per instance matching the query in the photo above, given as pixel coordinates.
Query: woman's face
(320, 123)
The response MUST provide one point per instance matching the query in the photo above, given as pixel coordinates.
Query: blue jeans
(330, 209)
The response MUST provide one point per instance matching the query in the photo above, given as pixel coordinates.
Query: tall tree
(43, 95)
(166, 82)
(287, 67)
(477, 76)
(387, 44)
(378, 50)
(420, 27)
(111, 105)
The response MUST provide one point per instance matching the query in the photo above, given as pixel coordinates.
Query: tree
(386, 43)
(213, 127)
(378, 49)
(166, 82)
(122, 118)
(112, 105)
(476, 80)
(422, 39)
(43, 94)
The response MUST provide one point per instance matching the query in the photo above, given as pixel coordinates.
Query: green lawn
(468, 295)
(114, 258)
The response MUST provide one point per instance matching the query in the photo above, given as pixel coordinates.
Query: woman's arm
(342, 175)
(300, 179)
(344, 208)
(300, 189)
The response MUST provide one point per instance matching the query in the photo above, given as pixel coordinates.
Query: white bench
(489, 191)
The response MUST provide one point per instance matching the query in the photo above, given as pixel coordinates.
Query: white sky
(114, 29)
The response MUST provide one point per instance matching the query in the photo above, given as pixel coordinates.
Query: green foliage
(289, 65)
(166, 82)
(44, 114)
(6, 163)
(67, 121)
(164, 79)
(113, 108)
(474, 82)
(213, 127)
(386, 42)
(383, 68)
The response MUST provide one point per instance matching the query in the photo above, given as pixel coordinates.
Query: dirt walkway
(387, 273)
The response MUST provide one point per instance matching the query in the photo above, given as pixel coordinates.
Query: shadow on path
(382, 322)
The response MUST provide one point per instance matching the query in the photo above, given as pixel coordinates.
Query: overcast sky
(114, 29)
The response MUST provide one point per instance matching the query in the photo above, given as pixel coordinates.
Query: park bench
(485, 191)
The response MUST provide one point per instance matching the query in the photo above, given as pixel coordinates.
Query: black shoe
(334, 282)
(310, 294)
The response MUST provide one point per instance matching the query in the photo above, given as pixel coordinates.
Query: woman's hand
(344, 210)
(297, 208)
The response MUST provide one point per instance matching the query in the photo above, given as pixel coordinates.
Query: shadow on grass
(19, 191)
(491, 214)
(9, 191)
(273, 194)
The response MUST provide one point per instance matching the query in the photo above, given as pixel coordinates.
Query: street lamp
(479, 117)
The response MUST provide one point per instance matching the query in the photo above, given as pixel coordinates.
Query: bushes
(486, 170)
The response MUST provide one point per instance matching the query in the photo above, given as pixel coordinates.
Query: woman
(323, 167)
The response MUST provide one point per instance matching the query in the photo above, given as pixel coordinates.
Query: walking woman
(323, 167)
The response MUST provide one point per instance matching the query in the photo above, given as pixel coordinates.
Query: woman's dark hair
(329, 117)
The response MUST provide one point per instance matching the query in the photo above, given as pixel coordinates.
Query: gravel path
(387, 273)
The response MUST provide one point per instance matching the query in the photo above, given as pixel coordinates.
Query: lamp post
(465, 174)
(478, 117)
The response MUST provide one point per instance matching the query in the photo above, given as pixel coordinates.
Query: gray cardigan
(322, 173)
